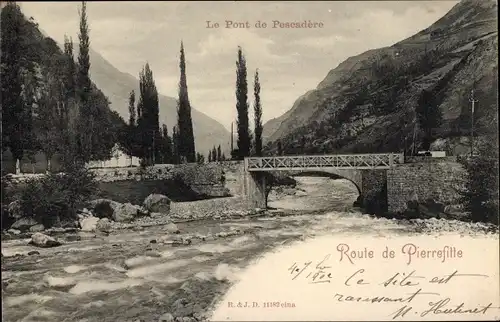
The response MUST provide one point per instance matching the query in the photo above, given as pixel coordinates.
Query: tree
(200, 159)
(429, 117)
(148, 127)
(86, 132)
(184, 121)
(257, 116)
(175, 145)
(210, 159)
(96, 133)
(30, 98)
(49, 117)
(303, 144)
(166, 146)
(69, 110)
(280, 148)
(128, 140)
(15, 117)
(219, 153)
(243, 140)
(131, 108)
(214, 154)
(480, 194)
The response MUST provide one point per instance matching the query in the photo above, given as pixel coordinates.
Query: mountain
(369, 102)
(117, 85)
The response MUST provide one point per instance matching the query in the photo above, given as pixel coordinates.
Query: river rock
(89, 223)
(37, 228)
(42, 240)
(14, 231)
(167, 317)
(15, 210)
(104, 225)
(157, 203)
(126, 212)
(104, 208)
(24, 224)
(171, 228)
(453, 209)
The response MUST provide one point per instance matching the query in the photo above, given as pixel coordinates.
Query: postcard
(250, 161)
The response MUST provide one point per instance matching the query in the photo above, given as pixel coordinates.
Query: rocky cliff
(368, 103)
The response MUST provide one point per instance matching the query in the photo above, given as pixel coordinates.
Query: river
(131, 276)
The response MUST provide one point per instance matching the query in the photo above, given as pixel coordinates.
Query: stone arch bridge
(367, 171)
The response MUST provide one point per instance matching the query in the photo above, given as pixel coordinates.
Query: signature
(443, 306)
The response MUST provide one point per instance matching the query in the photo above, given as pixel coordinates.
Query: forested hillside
(39, 89)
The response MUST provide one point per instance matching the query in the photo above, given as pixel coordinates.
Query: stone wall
(436, 179)
(234, 176)
(195, 181)
(374, 191)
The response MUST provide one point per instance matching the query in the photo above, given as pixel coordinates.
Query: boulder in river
(157, 203)
(14, 231)
(104, 225)
(42, 240)
(104, 208)
(167, 317)
(127, 212)
(89, 223)
(37, 228)
(24, 224)
(454, 210)
(171, 228)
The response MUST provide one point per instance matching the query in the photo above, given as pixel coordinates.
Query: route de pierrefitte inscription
(409, 252)
(259, 24)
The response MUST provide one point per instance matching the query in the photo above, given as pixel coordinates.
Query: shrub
(480, 193)
(55, 198)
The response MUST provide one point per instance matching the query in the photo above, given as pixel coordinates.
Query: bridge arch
(352, 175)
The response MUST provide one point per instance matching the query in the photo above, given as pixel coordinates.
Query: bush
(55, 198)
(480, 194)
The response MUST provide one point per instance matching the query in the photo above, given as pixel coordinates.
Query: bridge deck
(315, 162)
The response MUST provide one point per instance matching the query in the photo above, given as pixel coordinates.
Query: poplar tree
(148, 127)
(69, 115)
(184, 121)
(85, 136)
(166, 146)
(257, 116)
(243, 140)
(131, 108)
(175, 146)
(49, 117)
(129, 140)
(214, 154)
(219, 153)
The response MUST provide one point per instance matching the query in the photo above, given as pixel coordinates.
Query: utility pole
(473, 100)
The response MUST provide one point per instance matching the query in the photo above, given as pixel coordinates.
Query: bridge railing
(352, 161)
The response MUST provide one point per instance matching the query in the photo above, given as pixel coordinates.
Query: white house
(118, 159)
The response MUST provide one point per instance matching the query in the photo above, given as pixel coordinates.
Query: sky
(291, 61)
